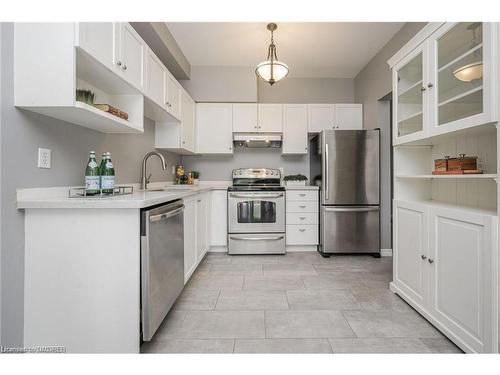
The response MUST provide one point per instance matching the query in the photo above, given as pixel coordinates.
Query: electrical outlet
(44, 158)
(173, 169)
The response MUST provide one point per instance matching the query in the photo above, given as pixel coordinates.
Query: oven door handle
(233, 195)
(257, 238)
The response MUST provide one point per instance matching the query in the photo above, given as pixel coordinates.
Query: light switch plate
(44, 158)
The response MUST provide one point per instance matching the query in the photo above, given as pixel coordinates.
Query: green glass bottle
(108, 176)
(92, 179)
(103, 161)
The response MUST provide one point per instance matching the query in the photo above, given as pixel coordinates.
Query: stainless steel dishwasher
(162, 263)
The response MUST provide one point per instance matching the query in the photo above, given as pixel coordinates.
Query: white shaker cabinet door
(201, 225)
(461, 273)
(411, 250)
(187, 122)
(320, 117)
(98, 40)
(218, 218)
(173, 96)
(348, 116)
(190, 230)
(270, 118)
(155, 78)
(214, 128)
(245, 118)
(294, 129)
(132, 55)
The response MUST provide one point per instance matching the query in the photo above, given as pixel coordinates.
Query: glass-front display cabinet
(447, 82)
(462, 76)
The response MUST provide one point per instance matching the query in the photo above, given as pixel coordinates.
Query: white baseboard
(386, 252)
(217, 249)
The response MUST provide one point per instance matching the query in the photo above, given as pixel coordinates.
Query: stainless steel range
(256, 212)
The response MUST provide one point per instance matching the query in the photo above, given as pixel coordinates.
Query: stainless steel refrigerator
(346, 165)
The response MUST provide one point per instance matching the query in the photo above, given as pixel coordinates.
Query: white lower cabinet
(201, 225)
(461, 276)
(302, 217)
(411, 241)
(196, 231)
(445, 266)
(190, 259)
(218, 218)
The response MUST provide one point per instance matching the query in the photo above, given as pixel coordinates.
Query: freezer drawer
(350, 229)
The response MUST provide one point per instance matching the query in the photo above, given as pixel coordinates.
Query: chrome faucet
(144, 179)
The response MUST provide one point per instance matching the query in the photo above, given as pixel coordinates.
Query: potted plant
(195, 176)
(295, 180)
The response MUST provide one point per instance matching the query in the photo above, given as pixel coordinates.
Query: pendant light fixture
(272, 70)
(474, 70)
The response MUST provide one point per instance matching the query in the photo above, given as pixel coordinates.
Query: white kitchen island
(82, 267)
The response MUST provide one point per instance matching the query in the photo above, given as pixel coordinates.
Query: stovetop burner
(256, 179)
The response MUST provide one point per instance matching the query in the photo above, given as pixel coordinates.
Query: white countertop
(58, 197)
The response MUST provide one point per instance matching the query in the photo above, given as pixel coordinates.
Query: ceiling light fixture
(272, 70)
(474, 70)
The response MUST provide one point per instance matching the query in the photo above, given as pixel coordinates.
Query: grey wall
(218, 168)
(307, 90)
(373, 83)
(222, 84)
(22, 133)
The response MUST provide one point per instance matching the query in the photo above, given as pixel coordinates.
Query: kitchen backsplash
(219, 167)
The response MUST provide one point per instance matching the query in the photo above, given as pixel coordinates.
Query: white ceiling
(328, 49)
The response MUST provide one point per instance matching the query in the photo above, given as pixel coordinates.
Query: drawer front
(302, 195)
(302, 218)
(301, 207)
(302, 234)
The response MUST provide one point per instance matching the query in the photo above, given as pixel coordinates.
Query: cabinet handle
(119, 63)
(302, 195)
(423, 88)
(430, 85)
(423, 257)
(124, 67)
(302, 206)
(302, 230)
(302, 217)
(199, 200)
(431, 260)
(183, 142)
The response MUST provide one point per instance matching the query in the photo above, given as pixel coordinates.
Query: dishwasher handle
(166, 215)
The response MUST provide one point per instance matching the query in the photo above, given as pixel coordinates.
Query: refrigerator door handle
(325, 187)
(351, 209)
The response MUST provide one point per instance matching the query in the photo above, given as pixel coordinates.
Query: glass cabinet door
(459, 53)
(409, 95)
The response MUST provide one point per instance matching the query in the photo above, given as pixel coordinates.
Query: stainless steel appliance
(162, 263)
(346, 163)
(256, 212)
(257, 140)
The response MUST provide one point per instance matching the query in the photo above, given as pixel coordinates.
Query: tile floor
(296, 303)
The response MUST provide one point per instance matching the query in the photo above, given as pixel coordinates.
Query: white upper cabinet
(155, 78)
(409, 77)
(321, 117)
(173, 96)
(188, 108)
(214, 128)
(245, 118)
(178, 136)
(446, 81)
(294, 129)
(270, 118)
(461, 76)
(98, 40)
(131, 55)
(348, 116)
